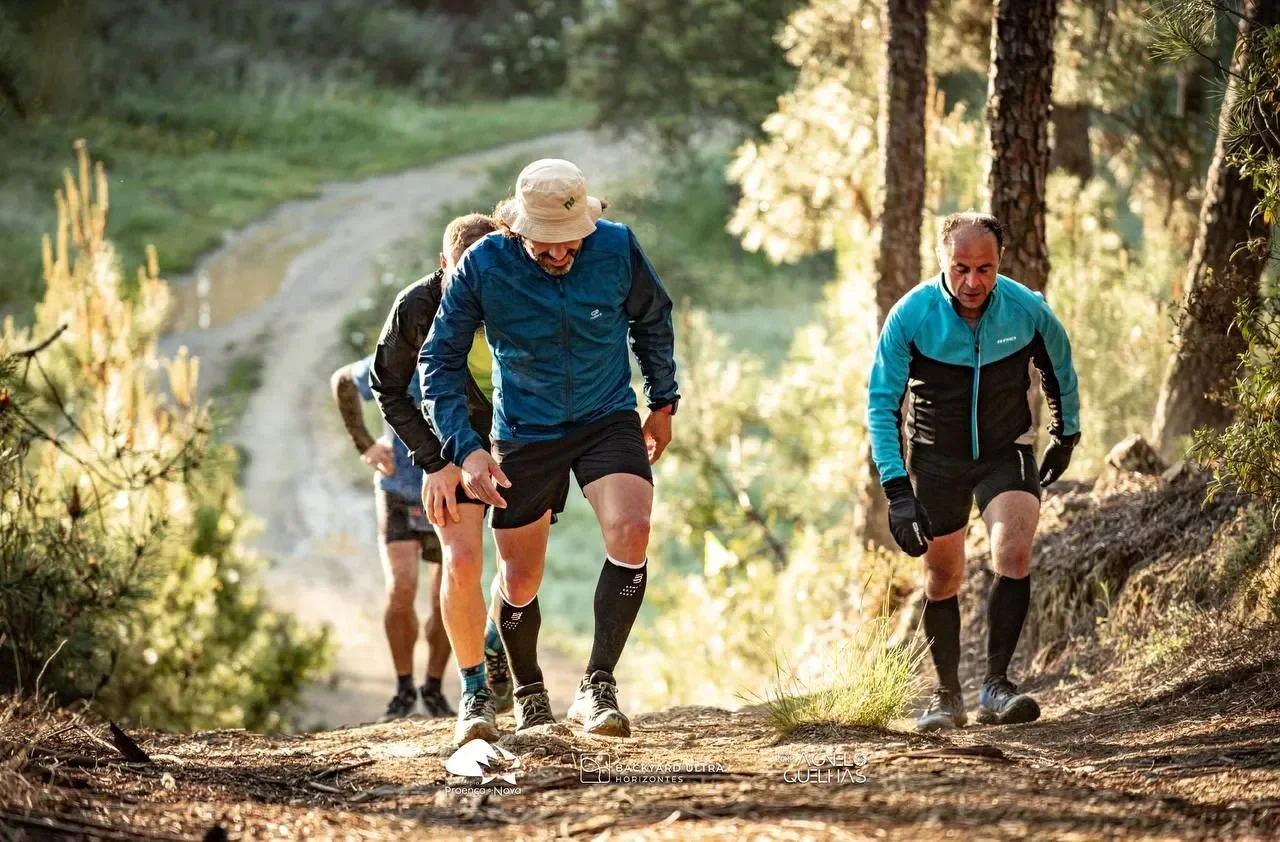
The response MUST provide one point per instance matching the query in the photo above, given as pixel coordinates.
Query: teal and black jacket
(559, 343)
(967, 387)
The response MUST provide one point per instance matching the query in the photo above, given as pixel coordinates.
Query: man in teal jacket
(560, 292)
(959, 348)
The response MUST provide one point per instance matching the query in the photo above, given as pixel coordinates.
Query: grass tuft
(866, 682)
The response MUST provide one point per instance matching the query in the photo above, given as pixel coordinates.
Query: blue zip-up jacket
(968, 387)
(559, 343)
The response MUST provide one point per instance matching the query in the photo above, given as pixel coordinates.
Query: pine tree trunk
(1019, 100)
(1207, 348)
(903, 84)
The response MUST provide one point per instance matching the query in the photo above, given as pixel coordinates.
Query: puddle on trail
(249, 271)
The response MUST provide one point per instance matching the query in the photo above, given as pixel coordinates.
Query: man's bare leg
(438, 649)
(522, 553)
(462, 607)
(400, 560)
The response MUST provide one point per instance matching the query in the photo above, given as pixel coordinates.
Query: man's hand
(379, 457)
(907, 518)
(481, 477)
(440, 494)
(657, 434)
(1057, 456)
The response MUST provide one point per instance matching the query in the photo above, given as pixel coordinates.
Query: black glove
(1057, 456)
(907, 519)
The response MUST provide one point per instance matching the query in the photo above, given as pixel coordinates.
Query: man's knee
(1012, 558)
(943, 583)
(520, 586)
(402, 590)
(627, 531)
(463, 564)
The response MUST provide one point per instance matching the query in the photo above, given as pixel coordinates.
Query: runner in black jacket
(460, 527)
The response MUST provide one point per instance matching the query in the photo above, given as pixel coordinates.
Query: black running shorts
(947, 487)
(539, 470)
(401, 520)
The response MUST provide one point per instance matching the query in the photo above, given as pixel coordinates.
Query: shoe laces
(1001, 687)
(477, 706)
(943, 700)
(496, 665)
(604, 697)
(535, 706)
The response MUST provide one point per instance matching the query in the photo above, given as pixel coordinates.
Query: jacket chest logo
(1006, 339)
(595, 314)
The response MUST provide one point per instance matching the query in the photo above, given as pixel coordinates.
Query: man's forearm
(347, 397)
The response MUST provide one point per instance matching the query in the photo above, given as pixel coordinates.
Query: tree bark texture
(1019, 102)
(1220, 272)
(903, 86)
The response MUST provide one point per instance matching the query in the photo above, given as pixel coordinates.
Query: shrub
(1245, 457)
(123, 579)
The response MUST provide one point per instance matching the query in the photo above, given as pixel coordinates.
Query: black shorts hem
(395, 517)
(947, 488)
(539, 470)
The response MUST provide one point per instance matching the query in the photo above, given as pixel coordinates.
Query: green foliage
(123, 573)
(187, 171)
(813, 178)
(180, 47)
(1114, 301)
(1245, 457)
(679, 66)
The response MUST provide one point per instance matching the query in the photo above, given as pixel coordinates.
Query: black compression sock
(432, 685)
(404, 684)
(519, 629)
(619, 594)
(942, 627)
(1006, 612)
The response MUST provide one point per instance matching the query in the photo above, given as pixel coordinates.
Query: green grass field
(182, 174)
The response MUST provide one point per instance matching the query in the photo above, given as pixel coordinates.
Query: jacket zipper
(977, 377)
(564, 337)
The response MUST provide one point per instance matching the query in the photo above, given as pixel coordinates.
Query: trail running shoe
(402, 704)
(475, 720)
(1000, 703)
(595, 705)
(532, 707)
(434, 703)
(499, 677)
(946, 710)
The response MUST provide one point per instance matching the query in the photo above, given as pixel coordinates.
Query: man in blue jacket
(559, 292)
(958, 348)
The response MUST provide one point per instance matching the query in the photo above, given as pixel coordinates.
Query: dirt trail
(279, 289)
(1166, 754)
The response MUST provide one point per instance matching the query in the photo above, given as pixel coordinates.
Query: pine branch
(40, 346)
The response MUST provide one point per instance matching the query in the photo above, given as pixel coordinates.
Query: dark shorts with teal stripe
(947, 487)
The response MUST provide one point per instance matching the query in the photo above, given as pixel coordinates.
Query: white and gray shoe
(595, 705)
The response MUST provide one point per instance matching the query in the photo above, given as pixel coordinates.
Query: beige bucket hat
(551, 204)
